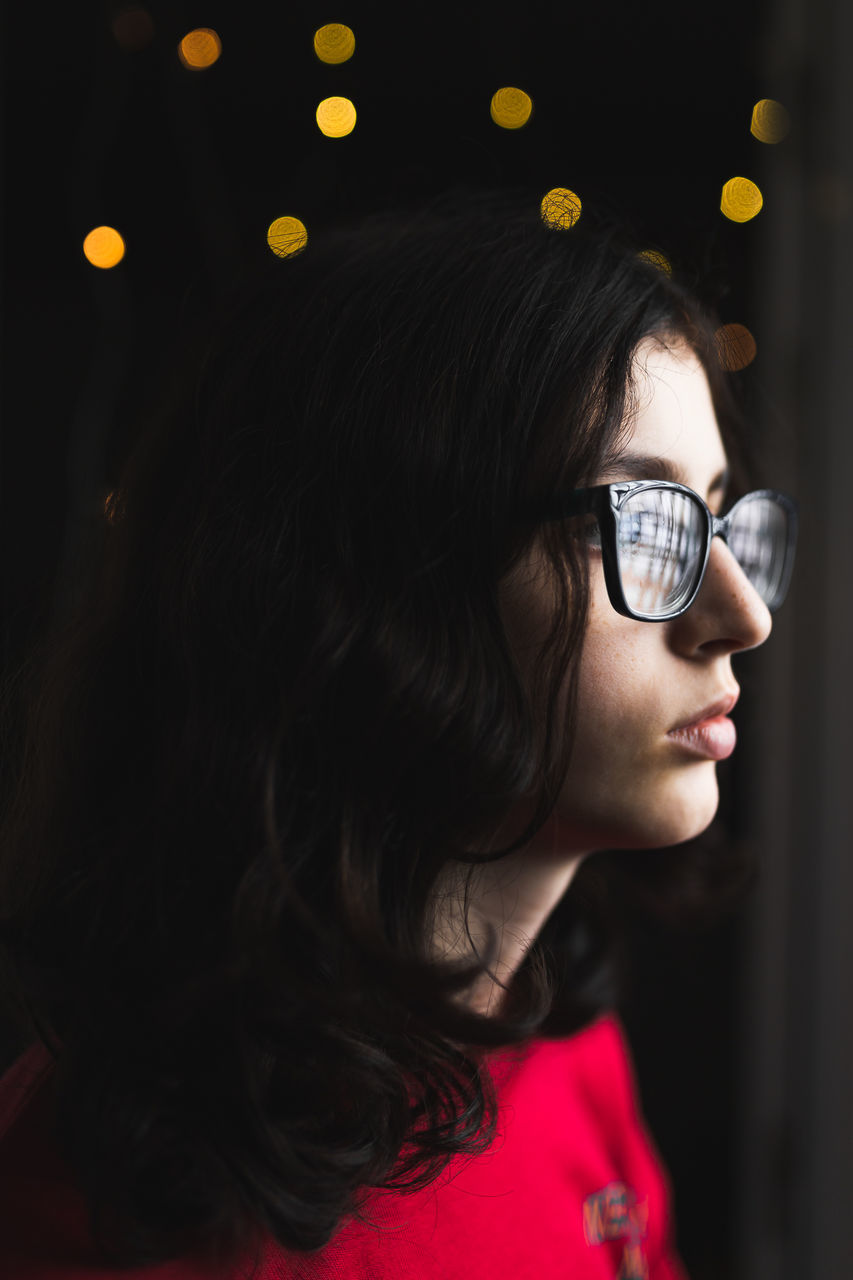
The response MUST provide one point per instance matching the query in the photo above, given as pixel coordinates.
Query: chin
(657, 816)
(683, 810)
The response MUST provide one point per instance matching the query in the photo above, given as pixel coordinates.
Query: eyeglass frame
(604, 502)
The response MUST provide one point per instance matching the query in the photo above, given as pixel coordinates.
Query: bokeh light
(133, 28)
(334, 43)
(200, 48)
(511, 108)
(770, 121)
(735, 346)
(114, 506)
(659, 260)
(336, 117)
(286, 236)
(741, 200)
(103, 247)
(560, 208)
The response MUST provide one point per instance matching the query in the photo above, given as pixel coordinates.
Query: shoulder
(597, 1058)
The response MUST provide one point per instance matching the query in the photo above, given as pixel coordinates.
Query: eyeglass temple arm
(579, 502)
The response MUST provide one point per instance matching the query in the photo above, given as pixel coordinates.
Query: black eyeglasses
(655, 539)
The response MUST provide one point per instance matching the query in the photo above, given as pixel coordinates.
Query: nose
(728, 614)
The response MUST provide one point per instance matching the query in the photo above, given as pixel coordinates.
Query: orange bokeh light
(741, 200)
(334, 43)
(104, 247)
(287, 236)
(200, 48)
(560, 208)
(511, 108)
(336, 117)
(133, 28)
(659, 260)
(736, 346)
(770, 121)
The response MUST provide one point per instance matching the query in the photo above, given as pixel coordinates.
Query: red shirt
(572, 1187)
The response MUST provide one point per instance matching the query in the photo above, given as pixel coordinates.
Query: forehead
(674, 415)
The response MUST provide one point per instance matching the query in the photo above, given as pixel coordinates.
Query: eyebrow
(641, 466)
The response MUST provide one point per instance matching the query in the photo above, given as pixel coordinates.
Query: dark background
(642, 109)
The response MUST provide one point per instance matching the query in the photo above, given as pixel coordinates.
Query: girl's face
(630, 783)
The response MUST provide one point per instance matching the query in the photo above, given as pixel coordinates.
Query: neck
(515, 895)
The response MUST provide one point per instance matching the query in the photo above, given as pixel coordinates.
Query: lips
(721, 707)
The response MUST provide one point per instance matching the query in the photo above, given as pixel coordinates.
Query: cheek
(618, 712)
(625, 787)
(620, 670)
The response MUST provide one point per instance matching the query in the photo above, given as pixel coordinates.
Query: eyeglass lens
(660, 541)
(758, 537)
(661, 547)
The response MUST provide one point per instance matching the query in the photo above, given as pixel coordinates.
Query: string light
(560, 208)
(336, 117)
(200, 48)
(511, 108)
(103, 247)
(741, 200)
(334, 43)
(658, 260)
(770, 121)
(736, 346)
(286, 236)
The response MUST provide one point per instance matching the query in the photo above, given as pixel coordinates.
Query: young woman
(411, 602)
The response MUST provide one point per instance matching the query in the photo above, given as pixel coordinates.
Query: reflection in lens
(758, 537)
(661, 548)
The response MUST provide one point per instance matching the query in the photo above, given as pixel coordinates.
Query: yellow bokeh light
(336, 117)
(334, 43)
(200, 48)
(770, 121)
(741, 200)
(511, 108)
(658, 260)
(103, 247)
(286, 236)
(735, 346)
(560, 208)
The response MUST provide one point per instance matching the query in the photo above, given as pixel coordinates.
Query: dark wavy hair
(284, 701)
